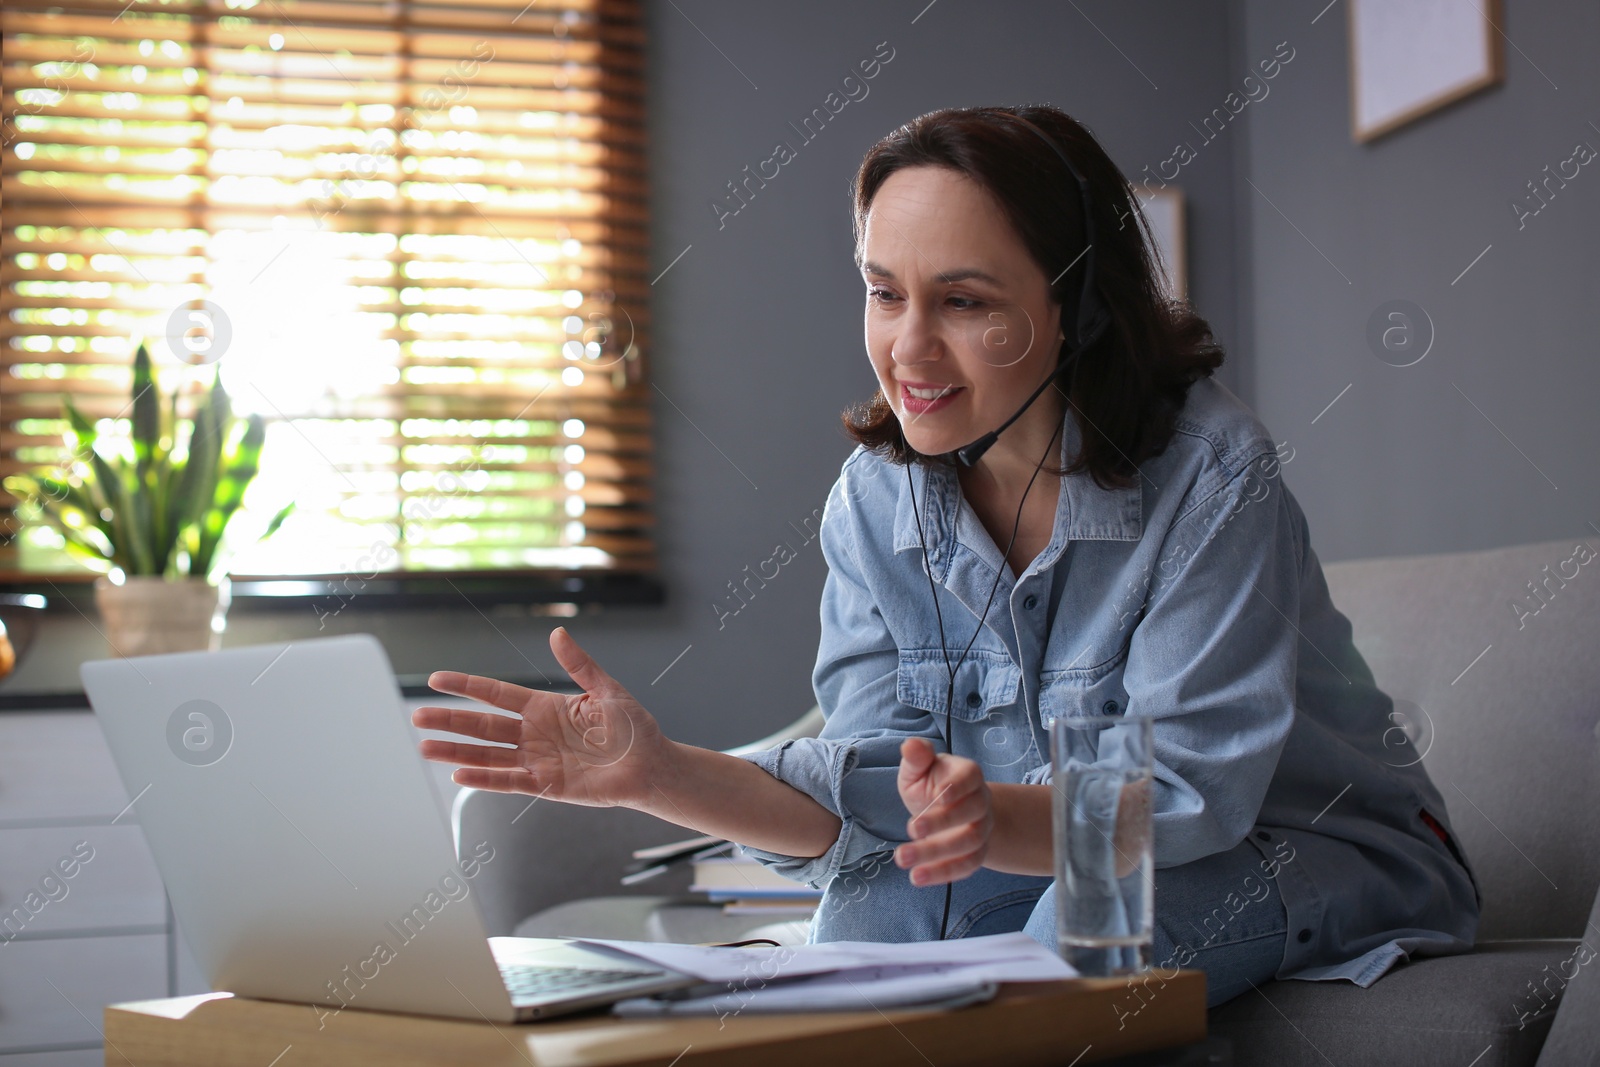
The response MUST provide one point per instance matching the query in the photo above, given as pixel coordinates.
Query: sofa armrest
(547, 853)
(807, 725)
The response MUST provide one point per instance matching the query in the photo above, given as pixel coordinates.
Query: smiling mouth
(931, 394)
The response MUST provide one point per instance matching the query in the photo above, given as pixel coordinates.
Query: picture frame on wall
(1164, 209)
(1411, 57)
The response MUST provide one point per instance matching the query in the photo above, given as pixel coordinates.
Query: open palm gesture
(594, 747)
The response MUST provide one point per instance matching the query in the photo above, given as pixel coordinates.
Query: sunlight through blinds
(412, 235)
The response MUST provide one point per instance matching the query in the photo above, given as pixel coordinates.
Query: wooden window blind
(412, 234)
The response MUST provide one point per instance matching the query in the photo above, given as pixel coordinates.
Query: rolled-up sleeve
(850, 769)
(1213, 661)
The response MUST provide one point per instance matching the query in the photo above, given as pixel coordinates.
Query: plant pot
(147, 616)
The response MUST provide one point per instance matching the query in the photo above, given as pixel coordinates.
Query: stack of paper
(744, 886)
(724, 875)
(840, 975)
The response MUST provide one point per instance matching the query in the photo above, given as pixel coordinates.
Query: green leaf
(90, 542)
(82, 429)
(197, 486)
(40, 489)
(79, 468)
(130, 528)
(243, 463)
(277, 520)
(169, 423)
(112, 488)
(146, 411)
(140, 533)
(91, 556)
(80, 509)
(19, 486)
(165, 533)
(169, 479)
(105, 479)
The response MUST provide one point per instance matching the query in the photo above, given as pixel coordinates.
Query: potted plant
(154, 513)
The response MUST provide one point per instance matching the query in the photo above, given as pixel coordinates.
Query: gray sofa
(1504, 702)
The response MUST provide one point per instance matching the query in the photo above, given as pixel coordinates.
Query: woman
(1162, 569)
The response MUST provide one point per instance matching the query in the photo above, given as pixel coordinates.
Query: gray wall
(1489, 439)
(757, 328)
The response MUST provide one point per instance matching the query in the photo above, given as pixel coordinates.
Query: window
(411, 234)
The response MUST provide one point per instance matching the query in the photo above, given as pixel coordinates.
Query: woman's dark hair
(1129, 385)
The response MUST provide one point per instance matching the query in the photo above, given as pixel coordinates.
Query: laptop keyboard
(528, 981)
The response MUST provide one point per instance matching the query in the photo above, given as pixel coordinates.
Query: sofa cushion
(1491, 1007)
(1489, 656)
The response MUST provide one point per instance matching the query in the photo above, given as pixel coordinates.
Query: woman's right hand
(599, 747)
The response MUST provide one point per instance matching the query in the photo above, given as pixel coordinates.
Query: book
(724, 878)
(649, 862)
(777, 907)
(676, 848)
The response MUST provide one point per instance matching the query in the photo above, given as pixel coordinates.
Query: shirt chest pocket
(1084, 691)
(985, 681)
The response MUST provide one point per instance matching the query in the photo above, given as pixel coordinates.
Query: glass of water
(1103, 781)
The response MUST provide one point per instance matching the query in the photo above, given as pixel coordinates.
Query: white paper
(852, 990)
(1013, 957)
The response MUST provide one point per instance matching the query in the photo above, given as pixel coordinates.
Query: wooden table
(1057, 1024)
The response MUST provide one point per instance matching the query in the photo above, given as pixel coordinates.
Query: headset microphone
(968, 455)
(1092, 314)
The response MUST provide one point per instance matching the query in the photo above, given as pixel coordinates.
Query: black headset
(1092, 318)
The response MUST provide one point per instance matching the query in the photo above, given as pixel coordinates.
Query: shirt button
(973, 700)
(1263, 835)
(1303, 936)
(1109, 707)
(1030, 602)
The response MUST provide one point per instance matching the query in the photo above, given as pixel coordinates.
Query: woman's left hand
(952, 814)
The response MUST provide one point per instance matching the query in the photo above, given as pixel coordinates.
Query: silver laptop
(304, 846)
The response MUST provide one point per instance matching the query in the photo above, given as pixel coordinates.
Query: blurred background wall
(1489, 439)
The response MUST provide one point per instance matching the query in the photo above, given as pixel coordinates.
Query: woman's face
(960, 324)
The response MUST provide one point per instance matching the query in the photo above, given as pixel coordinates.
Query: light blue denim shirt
(1194, 598)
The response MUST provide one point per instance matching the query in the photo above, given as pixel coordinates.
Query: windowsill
(411, 685)
(542, 592)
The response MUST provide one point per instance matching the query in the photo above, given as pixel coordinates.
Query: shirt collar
(1084, 512)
